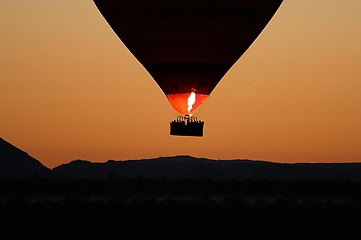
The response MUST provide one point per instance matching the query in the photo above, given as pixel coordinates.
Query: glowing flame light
(191, 101)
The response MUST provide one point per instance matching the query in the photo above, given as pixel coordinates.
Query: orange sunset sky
(70, 89)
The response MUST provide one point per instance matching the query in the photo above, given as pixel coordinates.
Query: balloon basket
(187, 125)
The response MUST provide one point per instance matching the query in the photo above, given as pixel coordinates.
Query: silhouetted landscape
(178, 197)
(16, 163)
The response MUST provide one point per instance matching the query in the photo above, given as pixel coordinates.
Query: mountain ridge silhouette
(15, 163)
(188, 167)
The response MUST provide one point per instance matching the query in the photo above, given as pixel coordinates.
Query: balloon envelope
(187, 45)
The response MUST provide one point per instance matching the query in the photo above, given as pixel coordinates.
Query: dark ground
(179, 209)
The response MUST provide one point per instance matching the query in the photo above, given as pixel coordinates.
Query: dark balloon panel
(187, 45)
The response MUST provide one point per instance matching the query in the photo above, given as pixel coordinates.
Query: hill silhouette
(188, 167)
(15, 163)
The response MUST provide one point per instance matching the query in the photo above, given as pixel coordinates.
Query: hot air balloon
(187, 46)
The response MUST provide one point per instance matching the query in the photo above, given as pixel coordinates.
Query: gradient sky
(70, 89)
